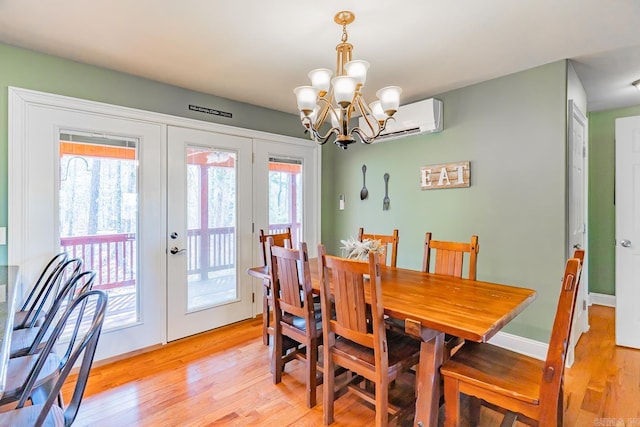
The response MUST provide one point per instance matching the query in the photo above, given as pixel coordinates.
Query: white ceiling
(257, 51)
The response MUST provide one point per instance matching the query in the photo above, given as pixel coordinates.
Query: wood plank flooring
(222, 378)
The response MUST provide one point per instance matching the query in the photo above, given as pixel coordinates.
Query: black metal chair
(39, 378)
(39, 287)
(31, 340)
(37, 310)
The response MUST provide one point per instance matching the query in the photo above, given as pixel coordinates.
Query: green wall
(513, 130)
(31, 70)
(602, 208)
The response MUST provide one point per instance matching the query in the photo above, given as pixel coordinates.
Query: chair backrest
(579, 253)
(279, 239)
(449, 258)
(556, 353)
(390, 242)
(354, 320)
(291, 280)
(45, 277)
(91, 308)
(47, 295)
(73, 288)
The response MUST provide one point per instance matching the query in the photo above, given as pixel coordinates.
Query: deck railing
(113, 256)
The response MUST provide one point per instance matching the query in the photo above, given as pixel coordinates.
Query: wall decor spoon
(364, 193)
(386, 200)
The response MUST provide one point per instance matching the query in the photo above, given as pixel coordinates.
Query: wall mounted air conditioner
(412, 119)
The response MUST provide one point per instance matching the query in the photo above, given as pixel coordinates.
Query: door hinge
(253, 297)
(584, 305)
(253, 227)
(584, 151)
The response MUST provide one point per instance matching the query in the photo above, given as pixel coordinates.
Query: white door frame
(581, 316)
(18, 101)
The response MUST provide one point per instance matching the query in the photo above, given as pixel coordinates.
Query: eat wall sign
(448, 175)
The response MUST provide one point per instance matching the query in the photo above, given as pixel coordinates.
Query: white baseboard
(526, 346)
(602, 299)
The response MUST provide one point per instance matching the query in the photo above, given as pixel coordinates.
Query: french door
(86, 181)
(162, 208)
(209, 230)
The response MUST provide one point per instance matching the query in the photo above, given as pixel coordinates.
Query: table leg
(428, 378)
(266, 315)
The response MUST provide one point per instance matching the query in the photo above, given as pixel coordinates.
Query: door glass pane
(98, 215)
(211, 222)
(285, 197)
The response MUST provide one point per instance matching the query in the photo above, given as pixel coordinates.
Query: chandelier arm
(362, 135)
(369, 139)
(315, 136)
(365, 112)
(324, 112)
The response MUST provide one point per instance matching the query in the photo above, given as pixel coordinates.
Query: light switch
(3, 235)
(342, 202)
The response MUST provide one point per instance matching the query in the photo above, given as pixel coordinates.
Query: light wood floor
(222, 378)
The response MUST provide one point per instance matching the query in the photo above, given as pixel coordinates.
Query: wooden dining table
(432, 305)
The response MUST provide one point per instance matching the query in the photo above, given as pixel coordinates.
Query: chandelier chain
(345, 36)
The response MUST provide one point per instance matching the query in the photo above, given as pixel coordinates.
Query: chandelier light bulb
(358, 70)
(377, 111)
(307, 97)
(389, 99)
(321, 80)
(344, 87)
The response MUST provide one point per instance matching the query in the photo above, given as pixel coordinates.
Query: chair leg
(561, 405)
(276, 356)
(474, 411)
(382, 403)
(265, 313)
(328, 392)
(312, 366)
(452, 402)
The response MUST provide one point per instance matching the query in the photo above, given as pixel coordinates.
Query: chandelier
(340, 98)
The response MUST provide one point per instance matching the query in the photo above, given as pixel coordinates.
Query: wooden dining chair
(526, 388)
(279, 239)
(297, 324)
(390, 242)
(356, 339)
(449, 260)
(449, 256)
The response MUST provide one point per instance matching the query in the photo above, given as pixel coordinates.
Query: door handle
(625, 243)
(174, 250)
(576, 246)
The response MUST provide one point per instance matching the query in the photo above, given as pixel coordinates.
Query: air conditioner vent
(413, 119)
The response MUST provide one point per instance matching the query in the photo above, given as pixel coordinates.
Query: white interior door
(577, 215)
(209, 230)
(628, 231)
(81, 182)
(286, 194)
